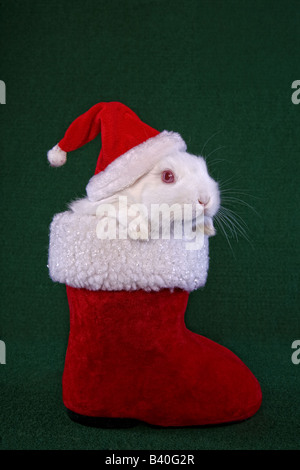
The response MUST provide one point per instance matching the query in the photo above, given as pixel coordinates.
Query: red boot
(131, 356)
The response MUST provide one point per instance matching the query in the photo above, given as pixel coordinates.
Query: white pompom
(56, 156)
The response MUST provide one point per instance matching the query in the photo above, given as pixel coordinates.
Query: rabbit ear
(130, 166)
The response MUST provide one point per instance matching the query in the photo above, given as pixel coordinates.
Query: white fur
(130, 166)
(79, 259)
(56, 156)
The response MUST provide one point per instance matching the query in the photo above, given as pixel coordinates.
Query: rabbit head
(178, 178)
(182, 179)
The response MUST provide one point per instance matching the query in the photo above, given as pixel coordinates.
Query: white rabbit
(178, 178)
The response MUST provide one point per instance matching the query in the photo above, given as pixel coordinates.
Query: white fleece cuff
(79, 259)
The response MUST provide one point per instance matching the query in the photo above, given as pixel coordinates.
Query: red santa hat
(130, 148)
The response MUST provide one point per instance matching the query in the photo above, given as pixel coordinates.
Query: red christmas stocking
(130, 356)
(129, 353)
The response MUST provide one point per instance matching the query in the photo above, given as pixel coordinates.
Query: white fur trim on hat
(56, 156)
(133, 164)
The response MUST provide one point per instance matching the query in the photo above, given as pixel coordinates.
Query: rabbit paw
(138, 231)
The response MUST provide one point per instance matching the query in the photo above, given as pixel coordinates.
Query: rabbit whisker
(218, 148)
(231, 200)
(211, 137)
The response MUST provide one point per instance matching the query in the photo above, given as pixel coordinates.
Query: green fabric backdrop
(206, 69)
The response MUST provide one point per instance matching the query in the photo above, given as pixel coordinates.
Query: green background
(218, 70)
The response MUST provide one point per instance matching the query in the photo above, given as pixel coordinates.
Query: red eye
(168, 176)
